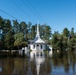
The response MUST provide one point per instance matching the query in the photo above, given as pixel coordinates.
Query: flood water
(54, 65)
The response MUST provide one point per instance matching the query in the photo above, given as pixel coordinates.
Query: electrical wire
(36, 11)
(9, 14)
(30, 8)
(21, 9)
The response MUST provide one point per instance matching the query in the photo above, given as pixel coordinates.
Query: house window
(41, 46)
(37, 45)
(34, 46)
(29, 47)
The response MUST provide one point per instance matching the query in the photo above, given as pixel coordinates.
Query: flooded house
(37, 46)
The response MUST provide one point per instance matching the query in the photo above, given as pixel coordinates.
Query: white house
(37, 46)
(37, 43)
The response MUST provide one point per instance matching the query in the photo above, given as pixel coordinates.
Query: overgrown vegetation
(15, 35)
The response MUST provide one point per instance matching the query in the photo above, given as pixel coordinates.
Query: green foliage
(23, 27)
(15, 26)
(64, 41)
(72, 43)
(33, 32)
(17, 34)
(9, 40)
(45, 32)
(1, 44)
(19, 39)
(55, 40)
(65, 32)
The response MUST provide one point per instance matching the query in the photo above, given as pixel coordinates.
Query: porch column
(39, 46)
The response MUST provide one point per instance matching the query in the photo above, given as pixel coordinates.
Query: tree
(65, 32)
(72, 40)
(72, 32)
(42, 31)
(7, 25)
(1, 44)
(9, 40)
(29, 25)
(19, 40)
(23, 27)
(58, 42)
(1, 24)
(55, 40)
(47, 32)
(33, 32)
(16, 26)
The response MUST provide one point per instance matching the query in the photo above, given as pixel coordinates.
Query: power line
(21, 9)
(31, 9)
(35, 10)
(9, 14)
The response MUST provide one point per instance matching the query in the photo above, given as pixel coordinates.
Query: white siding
(37, 47)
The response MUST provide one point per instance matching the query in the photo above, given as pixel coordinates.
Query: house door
(37, 47)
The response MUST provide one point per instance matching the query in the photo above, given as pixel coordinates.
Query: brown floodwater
(54, 65)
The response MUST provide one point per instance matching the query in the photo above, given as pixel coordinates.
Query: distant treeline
(15, 35)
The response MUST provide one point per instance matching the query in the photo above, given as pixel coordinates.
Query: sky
(58, 14)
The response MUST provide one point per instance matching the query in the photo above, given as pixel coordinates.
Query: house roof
(38, 40)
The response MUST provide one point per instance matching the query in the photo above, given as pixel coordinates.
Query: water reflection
(38, 66)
